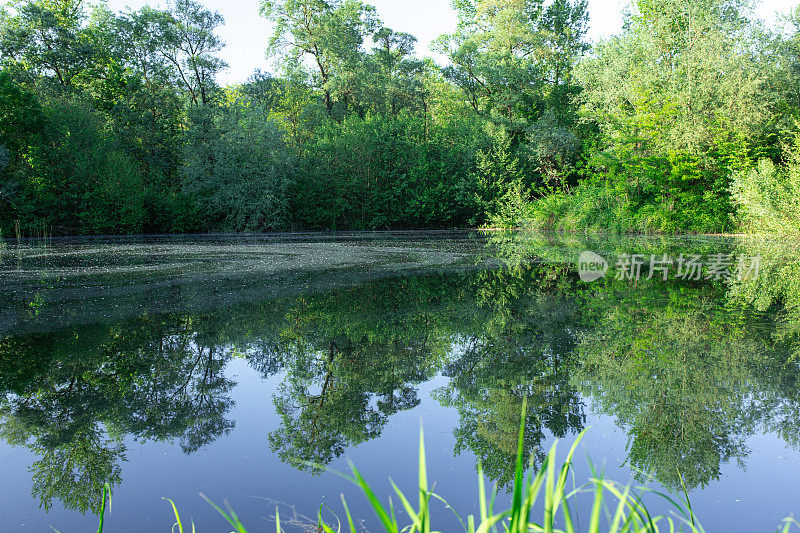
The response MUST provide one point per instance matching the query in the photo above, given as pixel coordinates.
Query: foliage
(695, 419)
(679, 101)
(236, 167)
(374, 173)
(356, 132)
(767, 196)
(331, 33)
(680, 77)
(513, 60)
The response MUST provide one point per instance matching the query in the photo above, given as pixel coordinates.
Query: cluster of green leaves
(689, 95)
(113, 122)
(767, 195)
(93, 108)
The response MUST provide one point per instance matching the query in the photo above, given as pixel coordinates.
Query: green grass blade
(597, 506)
(391, 511)
(549, 490)
(177, 516)
(570, 527)
(517, 521)
(321, 524)
(491, 504)
(424, 498)
(534, 488)
(348, 515)
(620, 514)
(389, 523)
(788, 523)
(106, 494)
(448, 506)
(565, 469)
(686, 494)
(490, 523)
(231, 518)
(482, 493)
(416, 518)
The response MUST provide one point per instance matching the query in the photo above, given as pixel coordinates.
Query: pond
(226, 365)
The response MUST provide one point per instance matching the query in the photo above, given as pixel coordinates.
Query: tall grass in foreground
(615, 508)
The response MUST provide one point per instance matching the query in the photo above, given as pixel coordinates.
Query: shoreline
(327, 233)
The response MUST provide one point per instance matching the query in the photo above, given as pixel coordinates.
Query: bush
(77, 179)
(237, 169)
(768, 197)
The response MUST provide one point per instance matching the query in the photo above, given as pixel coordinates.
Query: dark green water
(174, 366)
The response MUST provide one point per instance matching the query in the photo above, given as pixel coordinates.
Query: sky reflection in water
(173, 366)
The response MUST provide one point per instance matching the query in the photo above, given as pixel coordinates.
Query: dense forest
(115, 123)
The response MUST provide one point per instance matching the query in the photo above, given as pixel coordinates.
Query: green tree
(682, 76)
(237, 168)
(81, 181)
(784, 73)
(514, 59)
(21, 121)
(48, 38)
(766, 196)
(399, 82)
(189, 43)
(329, 33)
(680, 103)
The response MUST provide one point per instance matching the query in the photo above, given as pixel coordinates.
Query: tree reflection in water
(689, 370)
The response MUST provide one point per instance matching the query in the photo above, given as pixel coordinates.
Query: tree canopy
(526, 124)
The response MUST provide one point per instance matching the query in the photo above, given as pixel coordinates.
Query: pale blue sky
(246, 33)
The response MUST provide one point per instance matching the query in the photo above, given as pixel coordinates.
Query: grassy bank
(763, 197)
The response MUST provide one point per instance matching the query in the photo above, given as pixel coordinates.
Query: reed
(615, 508)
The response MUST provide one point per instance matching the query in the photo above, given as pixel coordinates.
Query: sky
(246, 34)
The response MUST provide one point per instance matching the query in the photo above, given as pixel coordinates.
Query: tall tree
(785, 78)
(513, 58)
(48, 38)
(400, 73)
(328, 32)
(190, 44)
(683, 76)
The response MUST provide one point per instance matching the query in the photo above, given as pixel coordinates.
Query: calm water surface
(173, 366)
